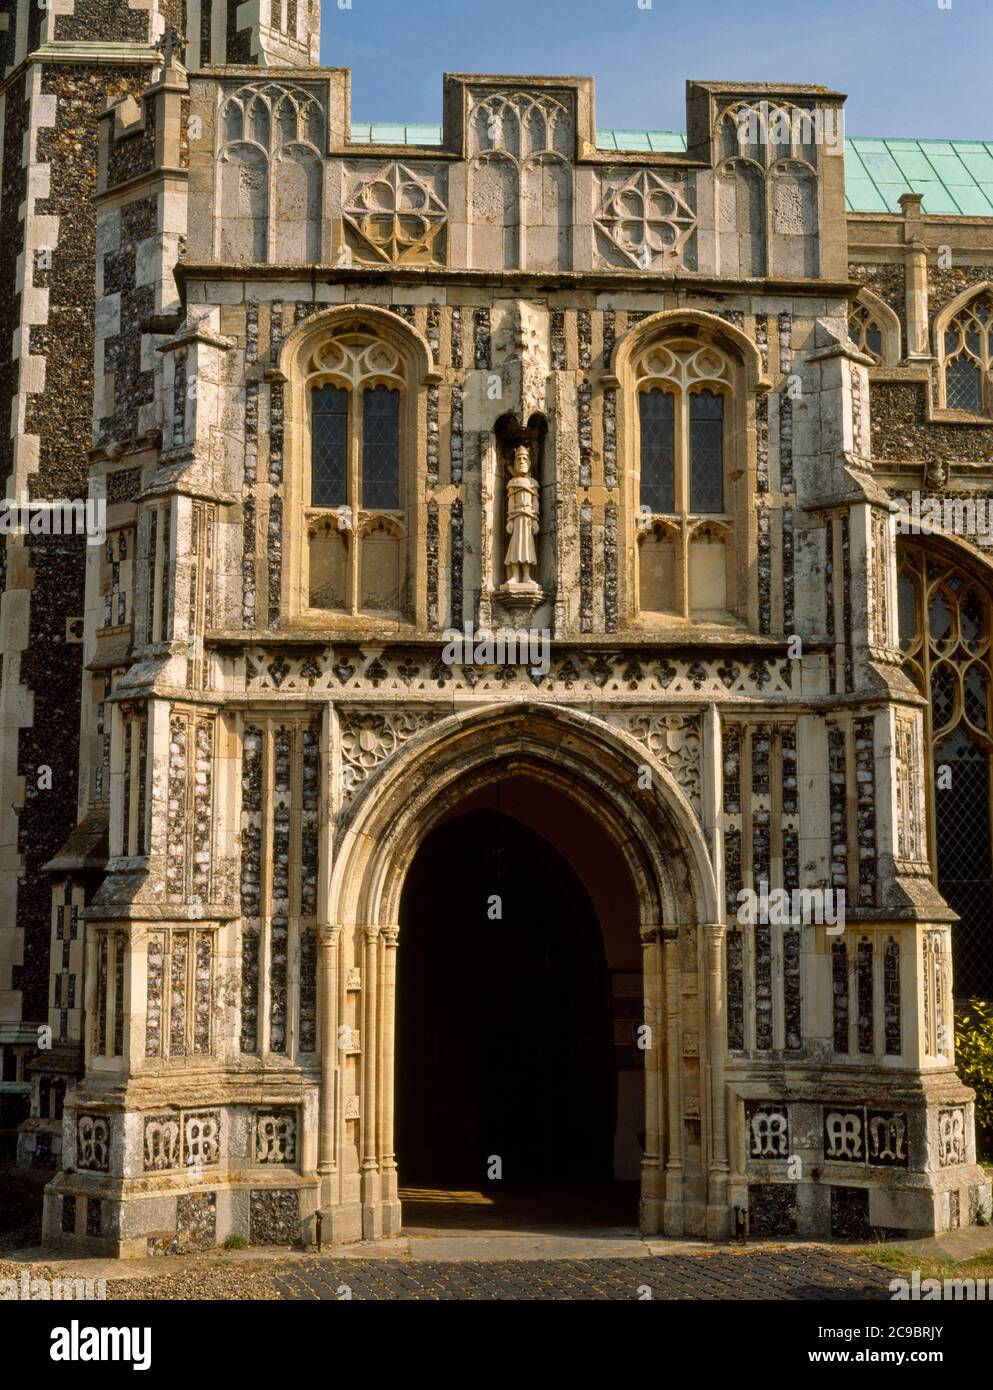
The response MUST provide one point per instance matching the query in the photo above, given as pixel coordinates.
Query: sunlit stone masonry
(500, 582)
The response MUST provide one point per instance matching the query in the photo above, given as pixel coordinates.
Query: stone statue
(522, 523)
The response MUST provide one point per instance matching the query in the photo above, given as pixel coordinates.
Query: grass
(904, 1262)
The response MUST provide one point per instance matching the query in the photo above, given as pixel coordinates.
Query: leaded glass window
(329, 443)
(685, 540)
(946, 634)
(968, 347)
(865, 332)
(356, 515)
(706, 452)
(658, 451)
(381, 449)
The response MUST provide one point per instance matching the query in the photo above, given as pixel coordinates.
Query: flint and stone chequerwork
(270, 721)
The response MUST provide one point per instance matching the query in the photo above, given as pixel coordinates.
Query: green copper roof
(955, 176)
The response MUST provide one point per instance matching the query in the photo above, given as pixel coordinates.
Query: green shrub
(974, 1062)
(236, 1243)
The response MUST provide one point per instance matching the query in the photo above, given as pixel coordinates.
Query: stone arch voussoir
(595, 763)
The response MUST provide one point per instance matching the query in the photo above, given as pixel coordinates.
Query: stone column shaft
(329, 948)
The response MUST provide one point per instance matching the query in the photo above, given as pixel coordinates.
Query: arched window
(686, 542)
(946, 634)
(874, 328)
(356, 507)
(865, 332)
(967, 351)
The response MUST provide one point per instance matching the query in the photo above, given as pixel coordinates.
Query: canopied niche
(520, 449)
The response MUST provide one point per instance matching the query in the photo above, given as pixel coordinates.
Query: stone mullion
(879, 940)
(387, 1157)
(90, 1009)
(353, 495)
(837, 596)
(191, 991)
(714, 937)
(682, 497)
(368, 1103)
(851, 811)
(655, 1119)
(330, 949)
(674, 1161)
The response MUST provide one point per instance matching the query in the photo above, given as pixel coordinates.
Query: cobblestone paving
(786, 1274)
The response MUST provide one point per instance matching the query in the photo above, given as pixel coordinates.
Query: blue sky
(909, 67)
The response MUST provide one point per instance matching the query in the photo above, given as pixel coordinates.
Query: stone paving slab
(527, 1246)
(788, 1275)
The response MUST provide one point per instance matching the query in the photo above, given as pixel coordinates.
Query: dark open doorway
(504, 1040)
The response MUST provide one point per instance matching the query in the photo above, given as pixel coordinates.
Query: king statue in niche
(522, 525)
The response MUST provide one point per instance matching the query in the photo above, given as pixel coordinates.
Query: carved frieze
(768, 1131)
(572, 673)
(878, 1138)
(275, 1136)
(951, 1137)
(674, 741)
(369, 737)
(93, 1143)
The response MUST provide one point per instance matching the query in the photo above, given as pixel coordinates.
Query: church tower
(263, 33)
(61, 65)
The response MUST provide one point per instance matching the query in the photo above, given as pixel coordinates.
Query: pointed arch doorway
(520, 1083)
(643, 842)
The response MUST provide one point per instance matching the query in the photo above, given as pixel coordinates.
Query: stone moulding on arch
(340, 318)
(948, 311)
(668, 322)
(594, 762)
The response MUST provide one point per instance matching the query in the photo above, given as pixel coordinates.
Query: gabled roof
(955, 176)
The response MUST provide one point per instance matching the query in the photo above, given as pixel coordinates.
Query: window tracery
(271, 174)
(946, 635)
(686, 546)
(967, 347)
(356, 502)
